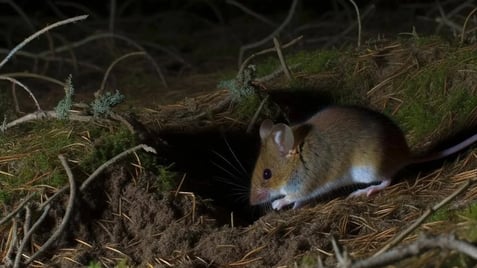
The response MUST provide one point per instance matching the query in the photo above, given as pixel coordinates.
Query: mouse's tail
(446, 152)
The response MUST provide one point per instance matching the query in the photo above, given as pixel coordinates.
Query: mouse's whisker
(228, 163)
(244, 171)
(227, 171)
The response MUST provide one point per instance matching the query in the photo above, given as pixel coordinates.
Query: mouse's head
(275, 162)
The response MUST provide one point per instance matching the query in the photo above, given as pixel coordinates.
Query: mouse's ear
(283, 138)
(266, 128)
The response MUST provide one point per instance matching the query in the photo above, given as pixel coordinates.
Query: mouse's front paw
(280, 203)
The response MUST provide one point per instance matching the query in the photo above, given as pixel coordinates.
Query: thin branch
(38, 33)
(36, 57)
(257, 113)
(278, 48)
(26, 224)
(25, 240)
(64, 189)
(462, 35)
(275, 73)
(420, 245)
(265, 51)
(287, 20)
(13, 80)
(44, 114)
(364, 14)
(423, 217)
(358, 18)
(14, 212)
(15, 99)
(137, 53)
(7, 261)
(37, 76)
(113, 160)
(66, 217)
(109, 35)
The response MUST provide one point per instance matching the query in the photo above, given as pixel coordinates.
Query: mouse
(338, 146)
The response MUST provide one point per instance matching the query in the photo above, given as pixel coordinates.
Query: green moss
(317, 61)
(442, 214)
(34, 148)
(458, 260)
(308, 260)
(94, 264)
(107, 145)
(308, 61)
(437, 90)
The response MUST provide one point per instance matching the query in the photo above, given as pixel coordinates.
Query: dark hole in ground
(218, 166)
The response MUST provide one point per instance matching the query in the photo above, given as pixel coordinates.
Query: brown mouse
(338, 146)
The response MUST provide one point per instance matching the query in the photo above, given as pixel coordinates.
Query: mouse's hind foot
(372, 189)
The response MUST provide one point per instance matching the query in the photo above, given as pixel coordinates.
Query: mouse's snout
(259, 196)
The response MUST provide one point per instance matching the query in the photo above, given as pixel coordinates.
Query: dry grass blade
(244, 261)
(287, 20)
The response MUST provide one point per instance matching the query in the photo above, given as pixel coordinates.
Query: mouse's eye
(267, 174)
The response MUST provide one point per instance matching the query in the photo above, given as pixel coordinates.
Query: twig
(15, 99)
(123, 120)
(365, 13)
(137, 53)
(37, 76)
(14, 212)
(251, 12)
(78, 6)
(66, 217)
(16, 263)
(112, 160)
(462, 35)
(13, 242)
(106, 74)
(13, 80)
(444, 20)
(38, 33)
(64, 189)
(273, 34)
(423, 217)
(108, 35)
(90, 39)
(257, 113)
(268, 50)
(285, 68)
(26, 224)
(36, 57)
(275, 73)
(43, 114)
(422, 244)
(358, 18)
